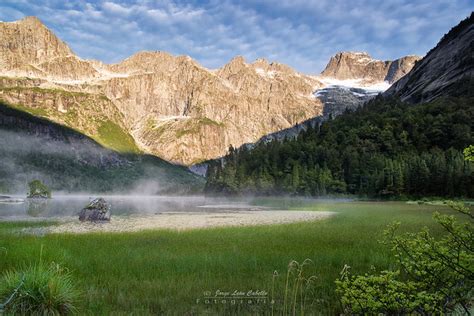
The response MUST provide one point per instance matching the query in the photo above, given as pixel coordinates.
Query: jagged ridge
(170, 105)
(360, 65)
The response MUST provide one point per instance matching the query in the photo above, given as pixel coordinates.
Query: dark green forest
(386, 148)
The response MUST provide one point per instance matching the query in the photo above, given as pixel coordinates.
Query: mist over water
(74, 163)
(24, 157)
(124, 205)
(70, 205)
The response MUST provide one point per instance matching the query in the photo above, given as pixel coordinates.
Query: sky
(301, 33)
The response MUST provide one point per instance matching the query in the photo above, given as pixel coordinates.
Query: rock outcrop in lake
(38, 190)
(97, 210)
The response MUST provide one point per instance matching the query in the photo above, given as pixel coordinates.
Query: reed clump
(38, 289)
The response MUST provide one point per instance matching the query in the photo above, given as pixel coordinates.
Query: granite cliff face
(447, 70)
(165, 105)
(18, 40)
(359, 65)
(171, 106)
(185, 113)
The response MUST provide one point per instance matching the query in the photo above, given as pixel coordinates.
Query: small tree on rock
(469, 153)
(37, 189)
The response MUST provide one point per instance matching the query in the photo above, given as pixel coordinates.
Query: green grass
(34, 111)
(193, 126)
(114, 137)
(166, 271)
(208, 121)
(45, 90)
(39, 290)
(109, 134)
(64, 171)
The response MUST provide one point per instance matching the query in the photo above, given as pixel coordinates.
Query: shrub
(39, 290)
(469, 153)
(432, 275)
(38, 190)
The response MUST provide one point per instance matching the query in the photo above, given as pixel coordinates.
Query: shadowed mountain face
(169, 106)
(387, 148)
(447, 70)
(35, 148)
(337, 99)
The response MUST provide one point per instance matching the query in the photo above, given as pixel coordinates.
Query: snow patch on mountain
(264, 73)
(356, 83)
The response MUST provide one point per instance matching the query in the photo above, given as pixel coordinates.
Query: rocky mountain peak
(236, 65)
(261, 63)
(170, 105)
(144, 61)
(187, 61)
(31, 20)
(28, 42)
(356, 56)
(348, 65)
(360, 65)
(400, 67)
(148, 54)
(237, 62)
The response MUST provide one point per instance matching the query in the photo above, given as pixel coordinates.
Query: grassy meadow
(169, 272)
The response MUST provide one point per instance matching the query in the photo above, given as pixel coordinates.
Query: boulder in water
(98, 210)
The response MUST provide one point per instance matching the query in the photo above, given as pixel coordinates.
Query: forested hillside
(386, 148)
(35, 148)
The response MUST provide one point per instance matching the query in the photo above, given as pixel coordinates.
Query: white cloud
(116, 8)
(158, 14)
(301, 33)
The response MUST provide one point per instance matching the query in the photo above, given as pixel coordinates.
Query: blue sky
(300, 33)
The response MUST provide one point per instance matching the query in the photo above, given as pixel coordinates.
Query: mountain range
(171, 106)
(410, 141)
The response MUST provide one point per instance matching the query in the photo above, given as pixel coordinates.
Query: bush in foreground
(433, 276)
(38, 290)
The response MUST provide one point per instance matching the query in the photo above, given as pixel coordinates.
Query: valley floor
(183, 221)
(175, 272)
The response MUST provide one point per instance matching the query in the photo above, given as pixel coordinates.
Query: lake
(70, 205)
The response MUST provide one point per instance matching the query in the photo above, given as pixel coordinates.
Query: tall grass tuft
(275, 275)
(38, 290)
(297, 287)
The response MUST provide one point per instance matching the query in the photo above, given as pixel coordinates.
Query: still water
(70, 205)
(17, 207)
